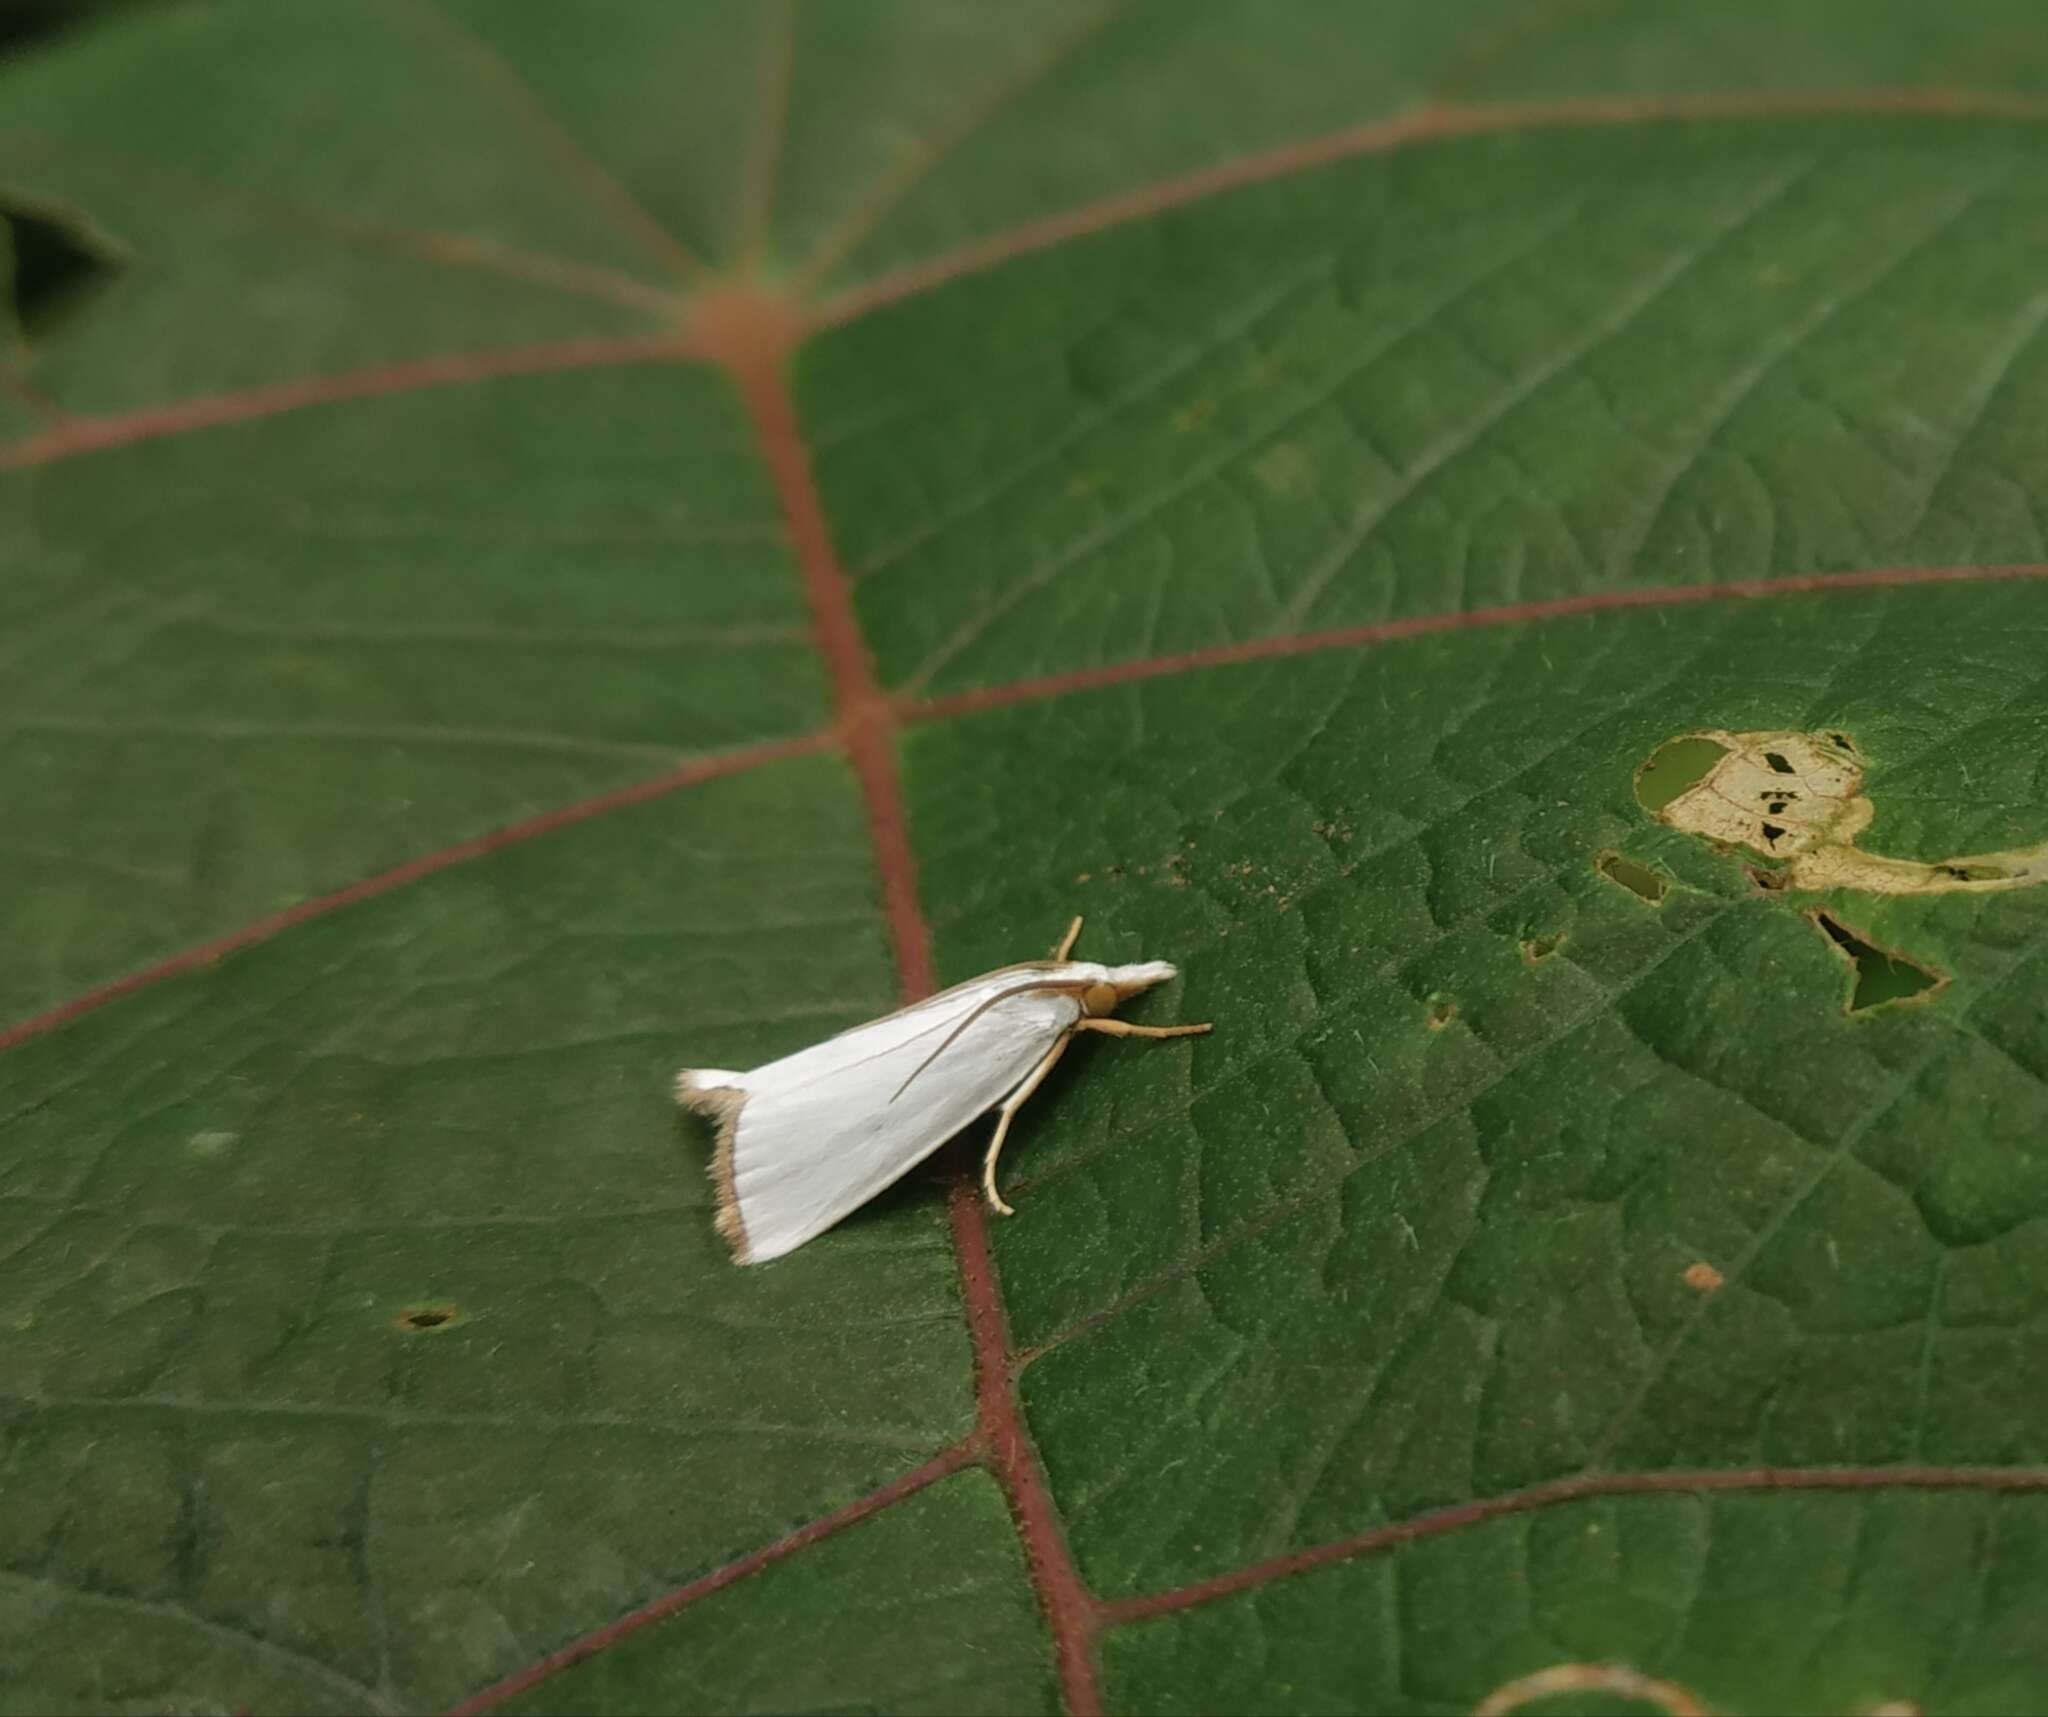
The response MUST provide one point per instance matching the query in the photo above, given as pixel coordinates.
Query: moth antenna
(1000, 996)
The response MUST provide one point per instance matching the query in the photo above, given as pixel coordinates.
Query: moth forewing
(1081, 990)
(805, 1140)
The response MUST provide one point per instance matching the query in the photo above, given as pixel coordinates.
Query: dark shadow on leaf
(28, 23)
(53, 262)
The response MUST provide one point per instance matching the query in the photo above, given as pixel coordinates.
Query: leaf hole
(1442, 1010)
(1882, 974)
(1537, 949)
(1639, 879)
(415, 1320)
(1777, 760)
(1677, 766)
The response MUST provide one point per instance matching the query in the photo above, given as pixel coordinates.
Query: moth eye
(1098, 999)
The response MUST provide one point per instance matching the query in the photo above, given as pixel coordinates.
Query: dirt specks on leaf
(1640, 880)
(1797, 798)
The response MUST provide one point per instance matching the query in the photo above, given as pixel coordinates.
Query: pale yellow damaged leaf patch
(1616, 1680)
(1797, 798)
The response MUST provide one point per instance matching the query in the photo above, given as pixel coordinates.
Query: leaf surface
(553, 549)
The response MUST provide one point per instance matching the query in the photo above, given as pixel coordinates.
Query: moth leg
(1123, 1028)
(1011, 1104)
(1067, 941)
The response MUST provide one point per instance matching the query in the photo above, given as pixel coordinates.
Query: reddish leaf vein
(78, 435)
(867, 723)
(771, 120)
(603, 188)
(690, 774)
(1434, 122)
(1070, 1608)
(600, 1639)
(1423, 625)
(1442, 1520)
(757, 346)
(867, 215)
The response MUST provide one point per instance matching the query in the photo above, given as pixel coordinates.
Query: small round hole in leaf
(415, 1320)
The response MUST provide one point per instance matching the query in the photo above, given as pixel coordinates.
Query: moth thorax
(1098, 999)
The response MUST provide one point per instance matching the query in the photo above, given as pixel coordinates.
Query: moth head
(1120, 983)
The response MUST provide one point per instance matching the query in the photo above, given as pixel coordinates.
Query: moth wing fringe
(720, 1103)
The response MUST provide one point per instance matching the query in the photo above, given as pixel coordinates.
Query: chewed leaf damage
(1639, 879)
(1796, 799)
(1881, 975)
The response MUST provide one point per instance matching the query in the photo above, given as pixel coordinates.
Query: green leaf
(1702, 1583)
(866, 1627)
(543, 546)
(484, 618)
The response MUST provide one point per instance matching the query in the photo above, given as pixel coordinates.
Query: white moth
(808, 1139)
